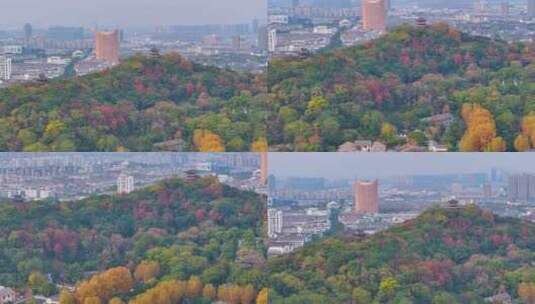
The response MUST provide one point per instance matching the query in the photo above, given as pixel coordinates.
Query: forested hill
(386, 88)
(443, 256)
(198, 238)
(133, 106)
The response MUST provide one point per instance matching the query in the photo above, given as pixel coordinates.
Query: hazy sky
(349, 165)
(130, 12)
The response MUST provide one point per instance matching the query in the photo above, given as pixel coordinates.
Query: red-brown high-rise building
(366, 195)
(107, 46)
(374, 15)
(263, 168)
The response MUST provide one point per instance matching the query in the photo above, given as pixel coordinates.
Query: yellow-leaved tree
(528, 130)
(209, 292)
(207, 141)
(480, 134)
(522, 143)
(260, 145)
(147, 271)
(102, 287)
(262, 297)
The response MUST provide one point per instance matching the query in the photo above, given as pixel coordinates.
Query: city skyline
(380, 165)
(136, 13)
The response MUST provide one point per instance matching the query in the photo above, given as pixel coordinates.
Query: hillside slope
(173, 231)
(443, 256)
(142, 102)
(387, 87)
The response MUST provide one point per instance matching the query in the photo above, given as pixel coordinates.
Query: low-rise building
(7, 295)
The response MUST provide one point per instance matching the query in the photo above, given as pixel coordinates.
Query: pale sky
(124, 13)
(349, 165)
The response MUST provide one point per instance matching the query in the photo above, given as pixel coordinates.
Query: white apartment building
(5, 68)
(278, 19)
(274, 222)
(272, 40)
(12, 49)
(125, 184)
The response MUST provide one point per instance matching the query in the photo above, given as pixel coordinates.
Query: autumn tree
(388, 287)
(223, 293)
(163, 293)
(522, 143)
(116, 300)
(480, 132)
(65, 297)
(526, 291)
(528, 126)
(194, 287)
(260, 145)
(388, 132)
(316, 105)
(37, 281)
(497, 144)
(39, 284)
(92, 300)
(105, 285)
(262, 297)
(209, 291)
(147, 271)
(247, 294)
(234, 294)
(207, 141)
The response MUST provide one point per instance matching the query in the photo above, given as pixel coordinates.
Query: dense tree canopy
(410, 74)
(459, 255)
(200, 234)
(314, 103)
(135, 106)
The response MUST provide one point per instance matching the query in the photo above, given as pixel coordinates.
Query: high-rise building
(263, 43)
(366, 196)
(487, 191)
(531, 8)
(374, 15)
(264, 168)
(65, 33)
(495, 175)
(521, 187)
(236, 42)
(125, 184)
(272, 183)
(5, 68)
(255, 25)
(504, 8)
(274, 222)
(272, 40)
(28, 31)
(107, 46)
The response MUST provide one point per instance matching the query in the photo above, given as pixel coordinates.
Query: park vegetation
(461, 255)
(389, 90)
(173, 242)
(143, 104)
